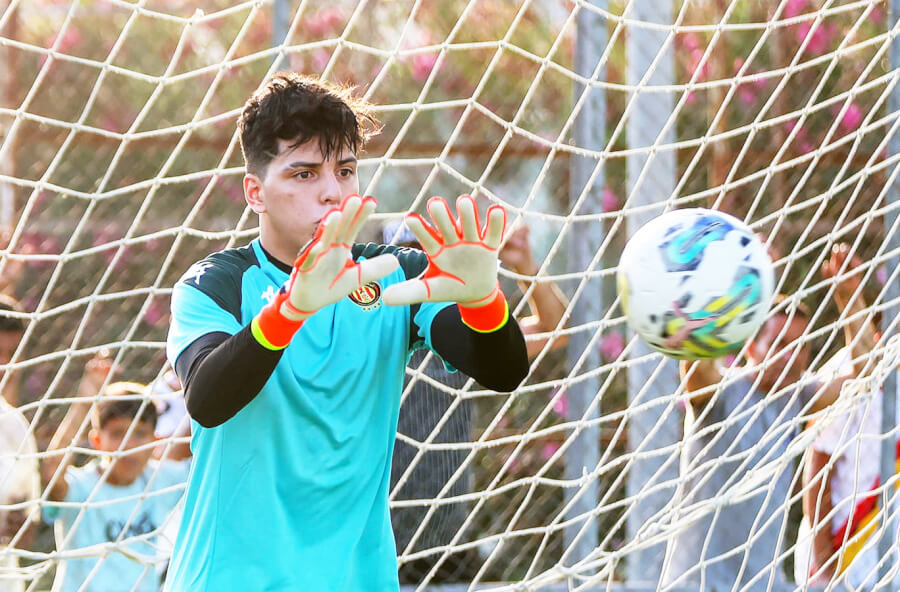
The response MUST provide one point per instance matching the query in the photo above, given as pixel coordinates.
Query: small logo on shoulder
(367, 297)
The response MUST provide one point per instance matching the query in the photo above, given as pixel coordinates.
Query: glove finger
(372, 270)
(349, 209)
(496, 224)
(312, 255)
(468, 218)
(443, 220)
(408, 292)
(427, 236)
(356, 224)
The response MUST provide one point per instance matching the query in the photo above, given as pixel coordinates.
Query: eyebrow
(315, 165)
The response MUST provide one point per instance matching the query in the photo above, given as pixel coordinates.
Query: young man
(121, 496)
(735, 451)
(293, 375)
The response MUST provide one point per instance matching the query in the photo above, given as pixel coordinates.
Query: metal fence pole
(892, 296)
(645, 124)
(281, 20)
(585, 240)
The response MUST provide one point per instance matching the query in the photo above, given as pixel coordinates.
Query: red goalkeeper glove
(462, 263)
(323, 274)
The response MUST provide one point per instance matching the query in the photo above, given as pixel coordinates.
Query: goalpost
(120, 166)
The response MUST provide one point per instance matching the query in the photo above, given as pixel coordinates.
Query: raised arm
(477, 335)
(547, 302)
(861, 329)
(700, 378)
(72, 426)
(860, 334)
(817, 506)
(223, 372)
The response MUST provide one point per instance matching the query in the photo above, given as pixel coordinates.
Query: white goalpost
(120, 166)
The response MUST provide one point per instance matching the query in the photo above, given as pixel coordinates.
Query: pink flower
(609, 200)
(819, 40)
(154, 314)
(549, 450)
(68, 40)
(422, 65)
(877, 15)
(738, 64)
(320, 59)
(612, 345)
(760, 83)
(794, 7)
(853, 117)
(324, 22)
(694, 65)
(690, 40)
(881, 274)
(561, 405)
(691, 99)
(746, 95)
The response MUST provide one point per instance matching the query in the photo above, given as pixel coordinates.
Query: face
(779, 351)
(299, 186)
(125, 469)
(9, 341)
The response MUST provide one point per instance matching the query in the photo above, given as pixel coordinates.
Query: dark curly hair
(131, 408)
(301, 108)
(10, 323)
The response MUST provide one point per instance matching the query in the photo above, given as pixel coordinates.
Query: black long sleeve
(222, 373)
(497, 360)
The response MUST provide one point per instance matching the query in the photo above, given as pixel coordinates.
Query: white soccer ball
(695, 283)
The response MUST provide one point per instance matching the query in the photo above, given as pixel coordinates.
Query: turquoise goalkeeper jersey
(292, 492)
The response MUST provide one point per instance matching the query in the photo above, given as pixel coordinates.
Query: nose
(331, 193)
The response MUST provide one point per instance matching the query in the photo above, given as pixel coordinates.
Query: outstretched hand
(831, 267)
(516, 254)
(462, 255)
(324, 271)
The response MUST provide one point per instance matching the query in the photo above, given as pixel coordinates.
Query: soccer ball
(695, 283)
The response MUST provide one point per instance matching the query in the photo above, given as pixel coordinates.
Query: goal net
(120, 167)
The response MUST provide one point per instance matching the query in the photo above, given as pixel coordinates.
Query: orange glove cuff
(487, 317)
(272, 329)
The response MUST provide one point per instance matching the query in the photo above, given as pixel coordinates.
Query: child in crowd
(111, 509)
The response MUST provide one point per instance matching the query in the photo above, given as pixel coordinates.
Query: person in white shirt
(19, 477)
(843, 465)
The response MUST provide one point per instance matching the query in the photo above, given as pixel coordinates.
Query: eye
(303, 174)
(346, 172)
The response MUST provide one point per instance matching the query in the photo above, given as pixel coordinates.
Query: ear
(253, 193)
(94, 438)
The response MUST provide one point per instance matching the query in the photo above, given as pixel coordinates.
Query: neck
(282, 251)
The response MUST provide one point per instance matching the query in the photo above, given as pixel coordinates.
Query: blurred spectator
(19, 477)
(729, 437)
(425, 407)
(12, 270)
(172, 413)
(11, 331)
(845, 461)
(19, 490)
(547, 302)
(122, 495)
(173, 422)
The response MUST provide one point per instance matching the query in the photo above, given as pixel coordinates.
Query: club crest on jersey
(367, 297)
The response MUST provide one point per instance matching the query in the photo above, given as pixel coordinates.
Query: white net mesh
(119, 167)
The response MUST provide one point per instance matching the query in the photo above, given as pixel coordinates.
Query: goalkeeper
(293, 373)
